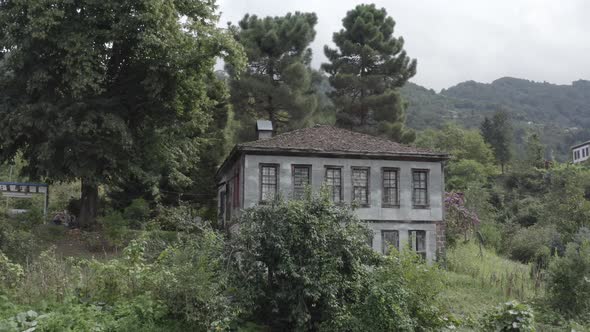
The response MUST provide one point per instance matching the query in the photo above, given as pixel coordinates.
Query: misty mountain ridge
(561, 113)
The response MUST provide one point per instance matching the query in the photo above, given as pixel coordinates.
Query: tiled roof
(328, 139)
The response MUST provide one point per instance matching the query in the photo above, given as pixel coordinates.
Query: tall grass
(514, 279)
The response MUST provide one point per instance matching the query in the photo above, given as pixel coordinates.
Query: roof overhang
(580, 145)
(238, 150)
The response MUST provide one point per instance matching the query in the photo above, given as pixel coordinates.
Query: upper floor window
(390, 187)
(360, 185)
(418, 242)
(420, 188)
(268, 182)
(389, 239)
(301, 179)
(334, 183)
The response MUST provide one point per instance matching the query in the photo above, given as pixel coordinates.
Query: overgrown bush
(16, 240)
(568, 282)
(527, 244)
(10, 273)
(400, 296)
(510, 317)
(306, 265)
(114, 227)
(137, 213)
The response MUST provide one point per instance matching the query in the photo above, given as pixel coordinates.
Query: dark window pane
(418, 242)
(389, 238)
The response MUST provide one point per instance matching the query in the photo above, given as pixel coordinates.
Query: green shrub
(491, 235)
(114, 227)
(10, 273)
(401, 296)
(568, 282)
(527, 243)
(17, 241)
(300, 262)
(510, 316)
(177, 218)
(305, 265)
(137, 213)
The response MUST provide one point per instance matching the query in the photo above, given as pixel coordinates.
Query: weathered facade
(398, 190)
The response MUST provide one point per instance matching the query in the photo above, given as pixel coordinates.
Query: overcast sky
(459, 40)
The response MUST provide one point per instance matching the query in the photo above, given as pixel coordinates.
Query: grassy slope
(475, 283)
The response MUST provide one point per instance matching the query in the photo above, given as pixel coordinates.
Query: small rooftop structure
(264, 129)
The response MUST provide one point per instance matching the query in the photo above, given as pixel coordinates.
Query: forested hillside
(560, 112)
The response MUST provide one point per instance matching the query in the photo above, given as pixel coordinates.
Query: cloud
(454, 41)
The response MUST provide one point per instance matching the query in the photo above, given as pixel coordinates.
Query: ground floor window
(418, 242)
(389, 238)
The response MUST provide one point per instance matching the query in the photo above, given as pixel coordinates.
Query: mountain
(560, 113)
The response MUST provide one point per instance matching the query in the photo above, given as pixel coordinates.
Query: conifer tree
(277, 83)
(367, 68)
(498, 133)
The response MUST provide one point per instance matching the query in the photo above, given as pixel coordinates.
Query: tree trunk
(89, 204)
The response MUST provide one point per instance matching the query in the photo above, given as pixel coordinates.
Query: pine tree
(277, 83)
(498, 133)
(534, 151)
(367, 68)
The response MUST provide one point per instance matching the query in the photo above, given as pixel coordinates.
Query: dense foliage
(89, 89)
(305, 265)
(558, 111)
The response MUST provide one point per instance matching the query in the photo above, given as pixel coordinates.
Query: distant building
(580, 152)
(398, 189)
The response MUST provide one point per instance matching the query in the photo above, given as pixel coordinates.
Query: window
(388, 239)
(228, 207)
(390, 187)
(360, 185)
(222, 206)
(301, 179)
(420, 188)
(418, 242)
(268, 182)
(334, 183)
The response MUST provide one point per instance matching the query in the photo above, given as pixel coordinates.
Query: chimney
(263, 129)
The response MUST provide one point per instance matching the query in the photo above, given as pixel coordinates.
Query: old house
(398, 189)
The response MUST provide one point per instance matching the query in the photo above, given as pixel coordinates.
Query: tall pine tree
(497, 132)
(277, 83)
(367, 68)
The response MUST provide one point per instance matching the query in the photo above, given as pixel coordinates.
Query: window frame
(309, 177)
(384, 247)
(414, 246)
(277, 168)
(385, 204)
(360, 168)
(427, 204)
(340, 168)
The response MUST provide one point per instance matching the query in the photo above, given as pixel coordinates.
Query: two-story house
(398, 189)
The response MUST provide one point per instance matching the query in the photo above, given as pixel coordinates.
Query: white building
(580, 152)
(399, 189)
